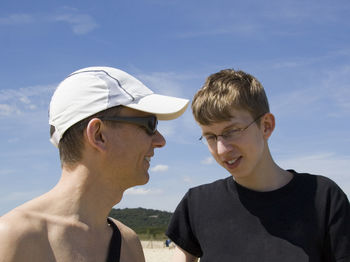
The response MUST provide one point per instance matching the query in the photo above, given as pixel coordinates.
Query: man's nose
(158, 140)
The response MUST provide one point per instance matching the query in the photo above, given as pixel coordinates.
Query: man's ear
(95, 134)
(267, 124)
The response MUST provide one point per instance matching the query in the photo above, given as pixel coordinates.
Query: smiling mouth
(230, 162)
(233, 163)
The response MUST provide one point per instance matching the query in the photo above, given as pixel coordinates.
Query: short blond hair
(226, 90)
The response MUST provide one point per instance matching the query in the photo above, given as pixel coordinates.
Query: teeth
(232, 161)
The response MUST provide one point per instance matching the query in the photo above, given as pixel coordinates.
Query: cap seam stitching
(133, 99)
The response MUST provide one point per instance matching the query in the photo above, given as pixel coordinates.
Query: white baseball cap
(93, 89)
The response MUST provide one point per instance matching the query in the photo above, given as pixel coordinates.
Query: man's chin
(143, 181)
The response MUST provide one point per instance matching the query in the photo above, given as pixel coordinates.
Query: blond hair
(227, 90)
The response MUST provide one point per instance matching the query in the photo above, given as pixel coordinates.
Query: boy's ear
(267, 124)
(95, 134)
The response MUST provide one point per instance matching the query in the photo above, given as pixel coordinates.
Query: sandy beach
(156, 251)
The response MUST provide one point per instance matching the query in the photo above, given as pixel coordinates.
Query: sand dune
(156, 251)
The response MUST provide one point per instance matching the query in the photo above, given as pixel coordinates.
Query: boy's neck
(268, 176)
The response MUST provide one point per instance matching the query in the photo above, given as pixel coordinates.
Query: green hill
(147, 223)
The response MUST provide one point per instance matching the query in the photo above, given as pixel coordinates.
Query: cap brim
(164, 107)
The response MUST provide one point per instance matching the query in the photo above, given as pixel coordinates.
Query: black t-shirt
(306, 220)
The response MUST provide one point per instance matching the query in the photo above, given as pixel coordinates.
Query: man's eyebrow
(223, 130)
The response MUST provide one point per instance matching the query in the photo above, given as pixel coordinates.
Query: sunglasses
(148, 122)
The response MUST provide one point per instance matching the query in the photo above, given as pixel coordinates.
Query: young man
(104, 122)
(265, 213)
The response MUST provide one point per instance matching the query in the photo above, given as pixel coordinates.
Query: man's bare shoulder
(20, 232)
(20, 223)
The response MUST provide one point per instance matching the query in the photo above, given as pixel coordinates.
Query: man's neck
(84, 196)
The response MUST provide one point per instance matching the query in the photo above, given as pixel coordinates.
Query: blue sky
(299, 50)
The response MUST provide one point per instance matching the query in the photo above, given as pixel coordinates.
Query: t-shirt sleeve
(338, 236)
(181, 230)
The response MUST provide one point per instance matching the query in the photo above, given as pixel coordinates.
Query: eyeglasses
(228, 135)
(149, 122)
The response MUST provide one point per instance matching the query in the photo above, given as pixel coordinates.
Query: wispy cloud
(7, 110)
(304, 11)
(327, 164)
(160, 168)
(187, 180)
(18, 101)
(20, 196)
(5, 172)
(338, 87)
(261, 20)
(81, 23)
(178, 130)
(241, 29)
(302, 61)
(166, 128)
(142, 191)
(25, 153)
(306, 100)
(13, 140)
(167, 83)
(17, 19)
(326, 87)
(208, 161)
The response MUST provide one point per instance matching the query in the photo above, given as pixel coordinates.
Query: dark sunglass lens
(155, 124)
(152, 125)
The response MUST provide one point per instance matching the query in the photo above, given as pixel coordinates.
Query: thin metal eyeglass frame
(148, 122)
(238, 130)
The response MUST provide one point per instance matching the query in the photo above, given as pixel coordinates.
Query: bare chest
(75, 246)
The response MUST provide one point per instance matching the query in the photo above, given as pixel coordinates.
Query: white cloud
(327, 164)
(159, 168)
(166, 128)
(24, 99)
(16, 19)
(187, 180)
(328, 88)
(81, 23)
(178, 130)
(17, 101)
(285, 103)
(167, 83)
(21, 196)
(263, 20)
(137, 191)
(324, 162)
(301, 61)
(208, 161)
(13, 140)
(338, 88)
(25, 152)
(304, 11)
(142, 191)
(241, 29)
(5, 172)
(7, 110)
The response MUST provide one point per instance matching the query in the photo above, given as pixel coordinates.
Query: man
(104, 122)
(265, 213)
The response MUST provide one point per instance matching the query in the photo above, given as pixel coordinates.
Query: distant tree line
(147, 223)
